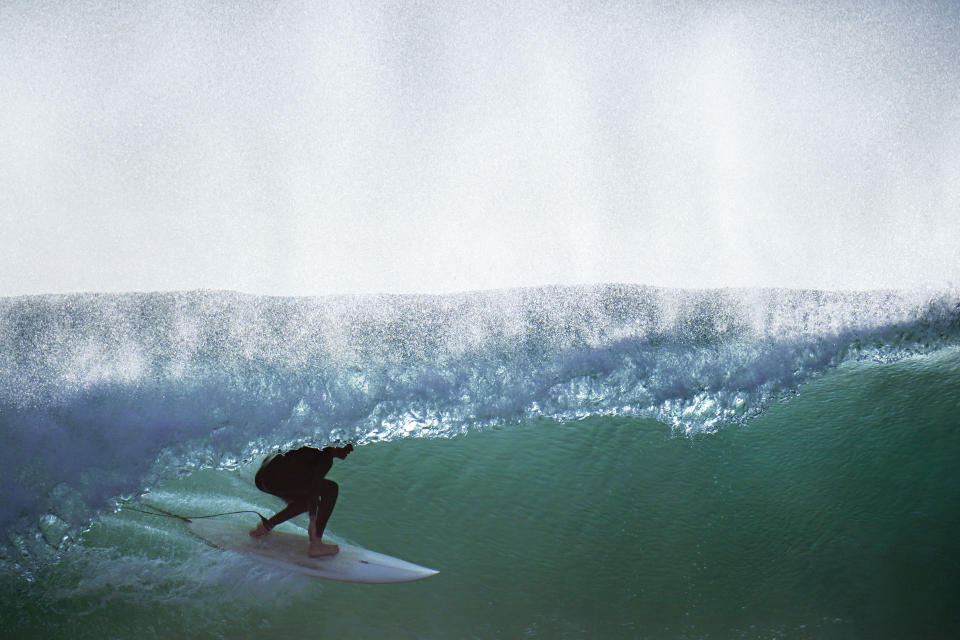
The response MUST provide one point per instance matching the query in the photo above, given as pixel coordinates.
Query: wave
(103, 395)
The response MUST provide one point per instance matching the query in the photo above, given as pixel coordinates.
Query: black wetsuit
(298, 477)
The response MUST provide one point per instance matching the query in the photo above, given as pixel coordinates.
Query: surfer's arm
(338, 452)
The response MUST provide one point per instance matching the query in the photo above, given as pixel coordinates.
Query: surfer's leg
(328, 491)
(319, 515)
(295, 506)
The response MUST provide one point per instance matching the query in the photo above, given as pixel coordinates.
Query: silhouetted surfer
(298, 478)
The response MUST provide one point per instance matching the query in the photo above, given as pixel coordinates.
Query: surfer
(298, 478)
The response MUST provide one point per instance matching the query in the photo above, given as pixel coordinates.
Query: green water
(835, 515)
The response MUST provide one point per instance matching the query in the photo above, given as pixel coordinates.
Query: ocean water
(599, 462)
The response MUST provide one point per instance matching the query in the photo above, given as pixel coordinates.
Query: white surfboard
(289, 551)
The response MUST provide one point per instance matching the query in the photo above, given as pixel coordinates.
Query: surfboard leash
(157, 511)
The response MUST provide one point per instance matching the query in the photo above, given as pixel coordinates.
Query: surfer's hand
(341, 452)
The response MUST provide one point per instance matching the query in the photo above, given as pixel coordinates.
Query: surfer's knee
(330, 489)
(327, 489)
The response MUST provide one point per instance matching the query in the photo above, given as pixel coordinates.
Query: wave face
(102, 396)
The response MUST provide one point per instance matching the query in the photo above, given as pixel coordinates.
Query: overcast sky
(313, 147)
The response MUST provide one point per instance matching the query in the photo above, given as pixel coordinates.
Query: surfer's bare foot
(259, 531)
(318, 549)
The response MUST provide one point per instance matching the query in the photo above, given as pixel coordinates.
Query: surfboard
(289, 551)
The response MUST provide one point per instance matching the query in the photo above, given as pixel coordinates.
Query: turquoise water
(565, 476)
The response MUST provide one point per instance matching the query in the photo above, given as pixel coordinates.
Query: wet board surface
(289, 551)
